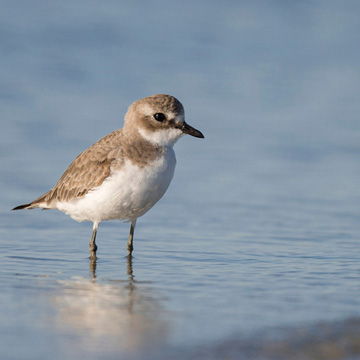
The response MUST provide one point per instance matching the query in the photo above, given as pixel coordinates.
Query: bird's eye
(159, 117)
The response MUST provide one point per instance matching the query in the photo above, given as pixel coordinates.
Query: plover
(124, 174)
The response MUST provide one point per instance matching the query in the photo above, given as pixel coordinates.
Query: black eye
(159, 117)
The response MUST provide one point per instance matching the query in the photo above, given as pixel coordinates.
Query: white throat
(164, 137)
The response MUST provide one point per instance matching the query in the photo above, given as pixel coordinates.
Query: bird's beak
(187, 129)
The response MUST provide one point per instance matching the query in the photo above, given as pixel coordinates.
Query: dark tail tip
(20, 207)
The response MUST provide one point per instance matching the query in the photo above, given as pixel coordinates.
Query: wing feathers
(86, 172)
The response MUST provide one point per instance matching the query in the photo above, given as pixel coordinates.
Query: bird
(124, 174)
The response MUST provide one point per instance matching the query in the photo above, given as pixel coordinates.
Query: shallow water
(253, 252)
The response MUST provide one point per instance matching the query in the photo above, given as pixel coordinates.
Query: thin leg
(130, 246)
(92, 244)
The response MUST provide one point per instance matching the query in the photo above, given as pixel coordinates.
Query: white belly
(126, 194)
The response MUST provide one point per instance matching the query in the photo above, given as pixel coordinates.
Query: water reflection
(93, 262)
(118, 316)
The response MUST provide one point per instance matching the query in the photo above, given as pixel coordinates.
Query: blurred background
(259, 229)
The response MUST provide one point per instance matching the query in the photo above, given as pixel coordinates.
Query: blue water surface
(259, 230)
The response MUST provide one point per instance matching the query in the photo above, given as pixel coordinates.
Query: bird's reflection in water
(92, 264)
(116, 316)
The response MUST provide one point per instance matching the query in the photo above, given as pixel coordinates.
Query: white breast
(126, 194)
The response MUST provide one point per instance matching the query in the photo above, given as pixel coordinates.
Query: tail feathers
(39, 202)
(26, 206)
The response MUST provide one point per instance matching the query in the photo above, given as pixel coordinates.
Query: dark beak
(187, 129)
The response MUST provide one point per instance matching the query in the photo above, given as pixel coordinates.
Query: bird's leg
(130, 246)
(92, 245)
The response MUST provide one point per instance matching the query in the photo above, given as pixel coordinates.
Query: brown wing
(87, 171)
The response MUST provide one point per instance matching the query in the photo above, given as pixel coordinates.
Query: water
(253, 253)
